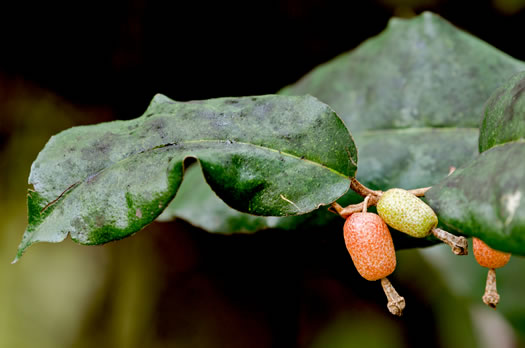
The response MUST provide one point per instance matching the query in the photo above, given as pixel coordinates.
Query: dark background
(120, 53)
(69, 64)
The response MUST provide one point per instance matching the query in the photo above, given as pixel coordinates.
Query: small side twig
(373, 198)
(335, 208)
(396, 303)
(491, 296)
(369, 201)
(362, 190)
(458, 244)
(420, 192)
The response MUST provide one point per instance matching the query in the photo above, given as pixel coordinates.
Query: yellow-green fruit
(405, 212)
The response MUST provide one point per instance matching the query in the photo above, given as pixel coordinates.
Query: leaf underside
(267, 155)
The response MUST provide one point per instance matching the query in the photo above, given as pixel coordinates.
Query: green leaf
(486, 198)
(420, 72)
(267, 155)
(504, 114)
(196, 202)
(413, 157)
(414, 94)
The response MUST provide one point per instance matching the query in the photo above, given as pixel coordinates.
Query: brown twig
(335, 208)
(362, 190)
(396, 303)
(373, 198)
(420, 192)
(491, 296)
(458, 244)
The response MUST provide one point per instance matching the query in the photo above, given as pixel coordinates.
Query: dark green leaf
(421, 72)
(504, 114)
(268, 155)
(197, 203)
(411, 158)
(486, 199)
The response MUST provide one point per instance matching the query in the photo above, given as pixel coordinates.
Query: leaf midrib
(72, 187)
(287, 154)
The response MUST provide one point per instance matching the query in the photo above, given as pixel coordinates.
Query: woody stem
(362, 190)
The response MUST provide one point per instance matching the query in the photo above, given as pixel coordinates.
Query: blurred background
(172, 285)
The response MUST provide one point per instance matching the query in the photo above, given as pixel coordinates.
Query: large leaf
(421, 72)
(504, 114)
(412, 157)
(486, 198)
(414, 94)
(268, 155)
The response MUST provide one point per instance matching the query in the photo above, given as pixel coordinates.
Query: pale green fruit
(405, 212)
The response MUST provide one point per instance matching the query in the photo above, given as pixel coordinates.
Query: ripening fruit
(491, 259)
(488, 257)
(370, 245)
(405, 212)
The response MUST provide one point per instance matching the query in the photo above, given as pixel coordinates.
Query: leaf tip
(21, 250)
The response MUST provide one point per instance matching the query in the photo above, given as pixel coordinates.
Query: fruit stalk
(396, 303)
(458, 244)
(491, 296)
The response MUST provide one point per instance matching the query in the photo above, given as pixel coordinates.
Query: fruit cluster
(368, 240)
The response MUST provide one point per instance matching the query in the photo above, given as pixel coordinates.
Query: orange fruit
(370, 245)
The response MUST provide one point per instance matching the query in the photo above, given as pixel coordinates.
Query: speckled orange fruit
(370, 245)
(488, 257)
